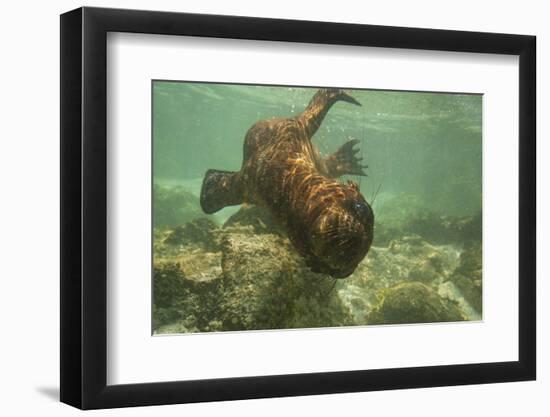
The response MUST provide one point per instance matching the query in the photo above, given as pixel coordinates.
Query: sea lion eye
(362, 210)
(360, 207)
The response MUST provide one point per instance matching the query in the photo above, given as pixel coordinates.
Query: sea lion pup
(329, 223)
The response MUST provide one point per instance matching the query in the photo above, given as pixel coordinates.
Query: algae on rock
(233, 278)
(413, 302)
(199, 232)
(268, 286)
(468, 275)
(407, 259)
(246, 275)
(258, 218)
(180, 297)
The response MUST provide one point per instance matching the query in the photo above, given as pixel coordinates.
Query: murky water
(424, 156)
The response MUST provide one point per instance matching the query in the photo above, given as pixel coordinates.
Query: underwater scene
(278, 207)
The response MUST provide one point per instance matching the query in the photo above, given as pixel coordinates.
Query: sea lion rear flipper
(344, 161)
(220, 189)
(312, 117)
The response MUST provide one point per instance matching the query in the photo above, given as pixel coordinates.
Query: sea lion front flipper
(220, 189)
(345, 161)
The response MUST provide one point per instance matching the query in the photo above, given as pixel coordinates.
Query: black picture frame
(84, 207)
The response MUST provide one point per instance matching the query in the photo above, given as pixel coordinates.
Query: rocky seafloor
(245, 275)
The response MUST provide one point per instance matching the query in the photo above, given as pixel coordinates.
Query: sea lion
(328, 222)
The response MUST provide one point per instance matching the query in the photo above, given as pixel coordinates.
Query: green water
(424, 156)
(427, 144)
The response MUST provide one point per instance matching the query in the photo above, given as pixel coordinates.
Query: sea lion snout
(343, 236)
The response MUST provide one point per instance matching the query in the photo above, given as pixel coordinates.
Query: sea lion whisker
(331, 288)
(332, 233)
(359, 177)
(344, 242)
(376, 194)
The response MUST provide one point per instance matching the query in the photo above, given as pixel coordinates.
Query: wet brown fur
(328, 222)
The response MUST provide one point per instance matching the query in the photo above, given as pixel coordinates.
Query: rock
(242, 281)
(187, 291)
(259, 219)
(267, 286)
(174, 206)
(167, 283)
(247, 276)
(468, 275)
(414, 302)
(187, 272)
(407, 259)
(450, 291)
(199, 232)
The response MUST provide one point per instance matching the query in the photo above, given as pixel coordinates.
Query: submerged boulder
(267, 286)
(408, 259)
(257, 218)
(218, 279)
(247, 275)
(414, 302)
(468, 276)
(183, 297)
(200, 233)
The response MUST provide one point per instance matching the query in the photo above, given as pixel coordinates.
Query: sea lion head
(342, 233)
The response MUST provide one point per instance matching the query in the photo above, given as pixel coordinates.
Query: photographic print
(283, 207)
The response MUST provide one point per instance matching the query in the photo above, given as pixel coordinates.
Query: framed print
(257, 208)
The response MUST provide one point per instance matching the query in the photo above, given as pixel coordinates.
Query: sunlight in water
(236, 269)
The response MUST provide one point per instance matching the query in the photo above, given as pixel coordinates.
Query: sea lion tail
(220, 189)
